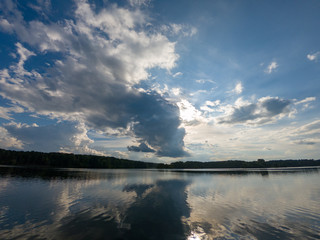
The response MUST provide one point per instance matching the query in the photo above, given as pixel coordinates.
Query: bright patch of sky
(161, 80)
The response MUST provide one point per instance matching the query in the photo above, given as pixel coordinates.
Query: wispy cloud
(306, 103)
(271, 67)
(179, 29)
(313, 56)
(139, 2)
(201, 81)
(177, 74)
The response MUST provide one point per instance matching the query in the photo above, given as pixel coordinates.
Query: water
(152, 204)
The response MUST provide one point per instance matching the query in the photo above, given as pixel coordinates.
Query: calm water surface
(152, 204)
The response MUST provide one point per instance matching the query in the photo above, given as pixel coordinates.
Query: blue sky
(162, 80)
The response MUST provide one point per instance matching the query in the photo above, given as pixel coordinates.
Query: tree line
(69, 160)
(260, 163)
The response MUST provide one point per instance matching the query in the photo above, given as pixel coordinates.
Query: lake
(153, 204)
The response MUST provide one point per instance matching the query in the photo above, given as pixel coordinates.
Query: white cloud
(314, 56)
(306, 100)
(237, 89)
(6, 26)
(179, 29)
(306, 103)
(5, 112)
(272, 67)
(8, 141)
(210, 106)
(139, 2)
(201, 81)
(188, 113)
(176, 91)
(308, 130)
(177, 74)
(24, 55)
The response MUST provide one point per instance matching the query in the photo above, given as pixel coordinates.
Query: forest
(69, 160)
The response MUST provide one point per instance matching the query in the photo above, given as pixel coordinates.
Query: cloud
(308, 130)
(306, 100)
(265, 110)
(5, 112)
(141, 148)
(177, 74)
(210, 106)
(9, 141)
(308, 134)
(238, 88)
(272, 67)
(179, 29)
(104, 54)
(42, 7)
(201, 81)
(6, 26)
(307, 142)
(52, 138)
(314, 56)
(139, 2)
(188, 113)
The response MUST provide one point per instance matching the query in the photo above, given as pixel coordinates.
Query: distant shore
(67, 160)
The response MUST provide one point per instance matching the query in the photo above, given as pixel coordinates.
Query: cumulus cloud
(188, 113)
(272, 67)
(210, 106)
(265, 110)
(9, 141)
(313, 56)
(104, 54)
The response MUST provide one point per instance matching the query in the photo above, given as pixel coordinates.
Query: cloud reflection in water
(142, 204)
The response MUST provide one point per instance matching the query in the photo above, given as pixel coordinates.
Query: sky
(161, 80)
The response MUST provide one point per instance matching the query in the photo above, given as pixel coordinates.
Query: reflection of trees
(245, 172)
(61, 173)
